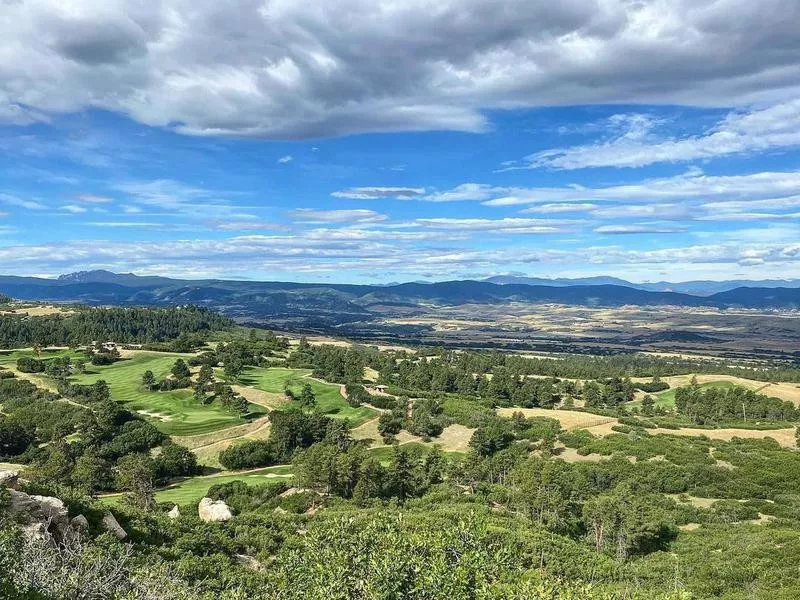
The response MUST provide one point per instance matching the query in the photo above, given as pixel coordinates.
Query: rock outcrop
(213, 510)
(40, 516)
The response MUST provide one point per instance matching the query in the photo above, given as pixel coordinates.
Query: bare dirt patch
(571, 455)
(35, 310)
(454, 438)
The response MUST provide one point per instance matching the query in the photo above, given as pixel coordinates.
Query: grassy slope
(329, 398)
(182, 414)
(193, 489)
(667, 397)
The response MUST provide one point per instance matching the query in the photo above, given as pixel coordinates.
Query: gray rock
(113, 527)
(9, 478)
(40, 515)
(214, 510)
(80, 524)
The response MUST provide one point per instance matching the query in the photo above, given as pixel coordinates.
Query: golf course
(174, 412)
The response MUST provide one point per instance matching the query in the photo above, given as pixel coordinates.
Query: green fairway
(191, 490)
(666, 399)
(175, 412)
(329, 399)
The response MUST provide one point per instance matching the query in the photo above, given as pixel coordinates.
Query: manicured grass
(191, 490)
(666, 398)
(175, 412)
(329, 399)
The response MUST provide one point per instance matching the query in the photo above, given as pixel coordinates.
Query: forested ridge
(122, 325)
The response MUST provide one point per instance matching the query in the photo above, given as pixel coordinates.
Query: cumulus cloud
(769, 128)
(285, 159)
(349, 67)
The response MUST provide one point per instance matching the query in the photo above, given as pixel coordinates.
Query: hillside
(261, 298)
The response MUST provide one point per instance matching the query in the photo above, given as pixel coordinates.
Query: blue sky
(150, 142)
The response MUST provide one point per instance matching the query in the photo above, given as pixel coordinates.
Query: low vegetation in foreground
(196, 459)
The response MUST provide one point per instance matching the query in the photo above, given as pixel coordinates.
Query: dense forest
(123, 325)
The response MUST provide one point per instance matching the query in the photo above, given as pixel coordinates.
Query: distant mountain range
(337, 303)
(697, 288)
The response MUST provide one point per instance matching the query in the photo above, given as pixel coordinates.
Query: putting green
(175, 412)
(329, 398)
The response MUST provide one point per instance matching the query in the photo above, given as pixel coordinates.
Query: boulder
(248, 562)
(9, 478)
(174, 513)
(80, 524)
(213, 510)
(40, 515)
(113, 527)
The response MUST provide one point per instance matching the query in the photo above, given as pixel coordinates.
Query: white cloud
(379, 253)
(216, 71)
(359, 215)
(247, 225)
(774, 127)
(94, 199)
(693, 184)
(73, 208)
(505, 226)
(636, 229)
(175, 197)
(285, 159)
(561, 207)
(12, 200)
(377, 193)
(654, 211)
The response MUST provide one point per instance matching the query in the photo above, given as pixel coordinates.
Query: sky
(384, 140)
